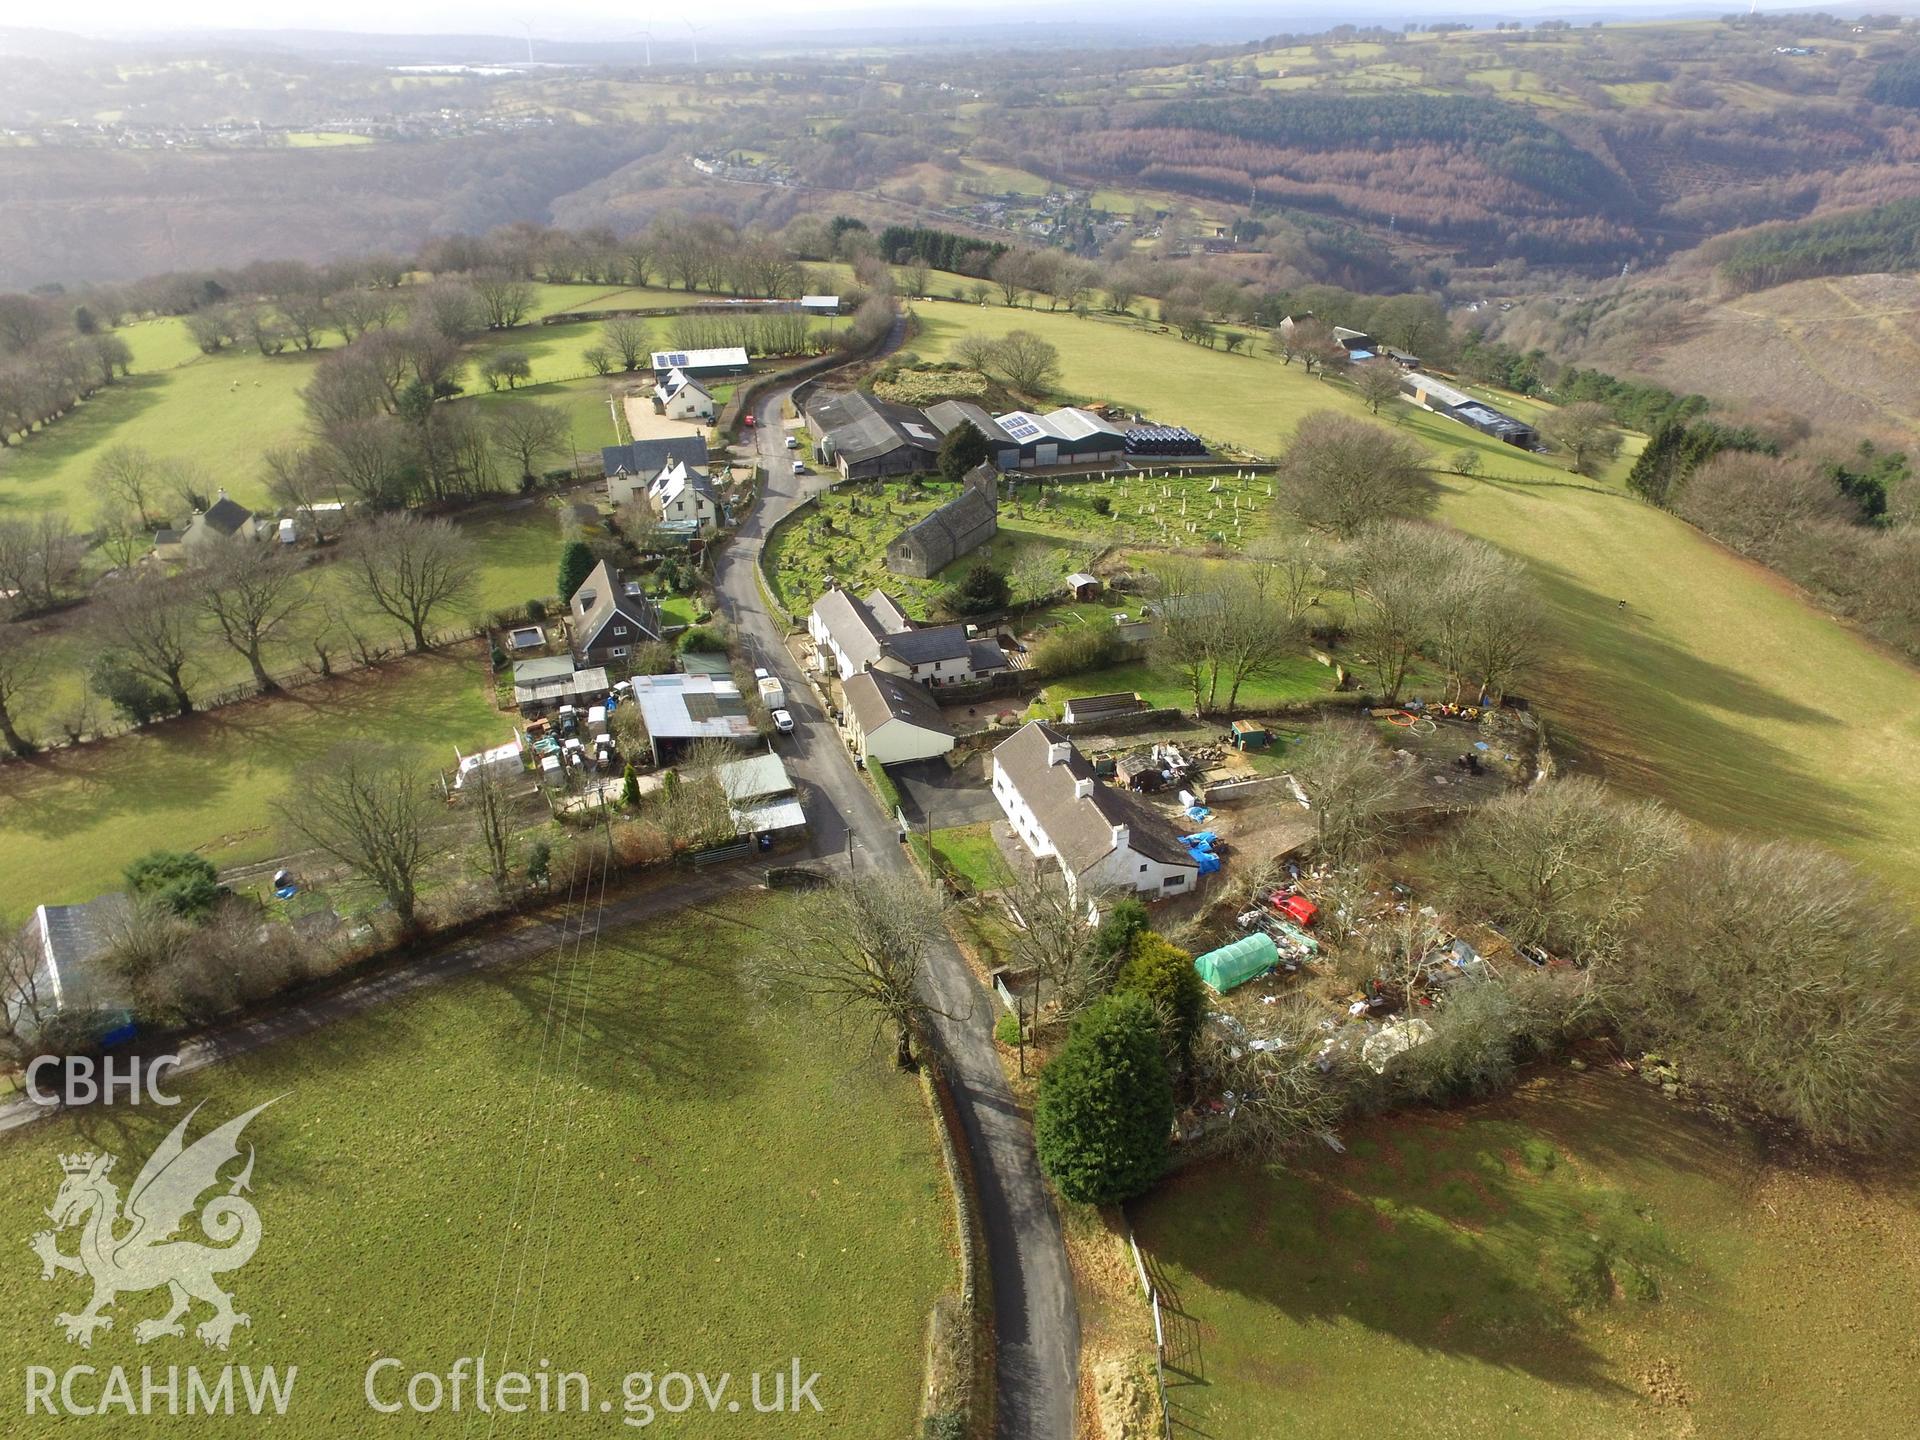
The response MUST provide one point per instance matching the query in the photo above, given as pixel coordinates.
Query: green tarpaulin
(1237, 963)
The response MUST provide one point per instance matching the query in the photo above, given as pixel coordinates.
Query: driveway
(934, 790)
(1035, 1319)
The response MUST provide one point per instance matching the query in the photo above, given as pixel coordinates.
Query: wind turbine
(693, 34)
(526, 26)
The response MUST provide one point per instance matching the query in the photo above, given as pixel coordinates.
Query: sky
(586, 19)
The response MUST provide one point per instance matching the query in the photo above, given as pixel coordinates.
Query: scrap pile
(1201, 846)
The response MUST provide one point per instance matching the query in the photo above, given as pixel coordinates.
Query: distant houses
(957, 528)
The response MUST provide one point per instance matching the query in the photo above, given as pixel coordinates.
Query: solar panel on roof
(1019, 427)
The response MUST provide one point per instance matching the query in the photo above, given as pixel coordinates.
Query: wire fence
(1159, 1335)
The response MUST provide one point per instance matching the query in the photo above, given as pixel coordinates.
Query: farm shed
(1444, 399)
(1067, 436)
(1083, 586)
(1238, 963)
(1085, 709)
(700, 364)
(867, 438)
(948, 415)
(1251, 735)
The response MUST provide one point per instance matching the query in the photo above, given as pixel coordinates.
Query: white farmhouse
(680, 397)
(684, 499)
(1101, 837)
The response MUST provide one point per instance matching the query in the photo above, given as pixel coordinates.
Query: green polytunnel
(1239, 962)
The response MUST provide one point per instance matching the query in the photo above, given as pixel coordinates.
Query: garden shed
(1238, 963)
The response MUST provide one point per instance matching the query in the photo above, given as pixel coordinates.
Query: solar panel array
(1020, 427)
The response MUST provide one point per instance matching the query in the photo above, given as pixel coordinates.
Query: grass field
(1581, 1260)
(1716, 688)
(621, 1159)
(71, 820)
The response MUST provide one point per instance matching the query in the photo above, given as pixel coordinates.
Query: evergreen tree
(1162, 974)
(1106, 1104)
(576, 563)
(963, 448)
(630, 787)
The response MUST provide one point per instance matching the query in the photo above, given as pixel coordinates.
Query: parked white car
(799, 467)
(783, 721)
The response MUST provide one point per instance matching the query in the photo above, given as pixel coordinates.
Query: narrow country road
(1035, 1317)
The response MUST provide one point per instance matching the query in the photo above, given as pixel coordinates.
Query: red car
(748, 421)
(1297, 908)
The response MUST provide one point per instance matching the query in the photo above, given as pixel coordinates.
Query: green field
(970, 850)
(1301, 679)
(1581, 1260)
(618, 1159)
(71, 820)
(1716, 687)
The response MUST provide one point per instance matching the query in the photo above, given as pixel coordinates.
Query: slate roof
(949, 413)
(852, 626)
(668, 484)
(227, 516)
(650, 457)
(957, 528)
(610, 598)
(1081, 828)
(928, 644)
(875, 698)
(860, 427)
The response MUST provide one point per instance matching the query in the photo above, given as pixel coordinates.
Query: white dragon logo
(136, 1251)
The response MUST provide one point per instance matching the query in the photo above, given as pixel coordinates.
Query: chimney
(1058, 752)
(1083, 788)
(1120, 837)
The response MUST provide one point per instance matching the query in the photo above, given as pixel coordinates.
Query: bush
(1124, 920)
(129, 692)
(536, 611)
(703, 640)
(180, 883)
(1105, 1110)
(1007, 1029)
(1162, 974)
(1071, 649)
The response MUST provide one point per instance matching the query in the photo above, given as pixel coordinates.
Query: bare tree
(411, 568)
(1780, 979)
(250, 594)
(1585, 430)
(1282, 1097)
(39, 560)
(504, 300)
(367, 808)
(1035, 574)
(1760, 504)
(187, 481)
(859, 944)
(524, 431)
(1353, 785)
(1053, 934)
(1340, 474)
(1377, 382)
(121, 533)
(27, 999)
(1294, 569)
(152, 621)
(128, 473)
(22, 669)
(631, 338)
(1566, 865)
(487, 797)
(1026, 362)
